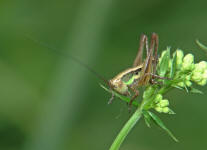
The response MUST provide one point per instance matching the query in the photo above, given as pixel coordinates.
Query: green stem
(127, 128)
(131, 123)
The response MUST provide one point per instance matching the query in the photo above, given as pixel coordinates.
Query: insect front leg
(112, 98)
(159, 77)
(154, 76)
(136, 94)
(152, 80)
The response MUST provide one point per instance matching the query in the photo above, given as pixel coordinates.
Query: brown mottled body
(141, 73)
(118, 83)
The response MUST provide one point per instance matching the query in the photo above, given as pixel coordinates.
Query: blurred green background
(50, 103)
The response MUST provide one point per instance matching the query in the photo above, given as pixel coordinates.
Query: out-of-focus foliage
(49, 102)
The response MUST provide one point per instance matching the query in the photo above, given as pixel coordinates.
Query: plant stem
(127, 128)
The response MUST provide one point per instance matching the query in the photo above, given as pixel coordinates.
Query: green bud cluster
(188, 62)
(187, 71)
(200, 73)
(161, 105)
(183, 72)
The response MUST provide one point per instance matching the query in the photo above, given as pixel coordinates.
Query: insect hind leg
(154, 44)
(136, 94)
(143, 42)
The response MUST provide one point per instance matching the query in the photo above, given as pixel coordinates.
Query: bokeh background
(48, 102)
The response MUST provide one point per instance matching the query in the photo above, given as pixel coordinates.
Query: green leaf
(171, 112)
(124, 98)
(178, 87)
(159, 122)
(173, 65)
(164, 64)
(186, 89)
(194, 90)
(147, 119)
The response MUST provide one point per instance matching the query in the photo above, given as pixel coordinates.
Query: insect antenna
(67, 56)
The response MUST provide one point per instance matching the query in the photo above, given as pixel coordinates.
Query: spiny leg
(154, 44)
(147, 66)
(159, 77)
(156, 76)
(136, 93)
(150, 62)
(152, 81)
(143, 42)
(112, 97)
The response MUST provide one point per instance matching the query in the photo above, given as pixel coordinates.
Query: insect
(128, 81)
(141, 73)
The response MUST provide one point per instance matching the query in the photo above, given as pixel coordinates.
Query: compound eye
(138, 71)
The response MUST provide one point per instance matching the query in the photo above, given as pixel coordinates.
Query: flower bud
(201, 66)
(179, 59)
(188, 62)
(164, 103)
(205, 74)
(158, 109)
(158, 98)
(170, 64)
(202, 82)
(188, 77)
(166, 110)
(200, 73)
(197, 76)
(188, 83)
(181, 84)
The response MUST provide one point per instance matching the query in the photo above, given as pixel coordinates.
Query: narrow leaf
(124, 98)
(147, 119)
(171, 112)
(186, 89)
(164, 63)
(173, 65)
(178, 87)
(194, 90)
(159, 122)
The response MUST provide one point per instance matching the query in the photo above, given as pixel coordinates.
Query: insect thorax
(129, 77)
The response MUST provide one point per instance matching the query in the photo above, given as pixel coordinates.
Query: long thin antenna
(66, 56)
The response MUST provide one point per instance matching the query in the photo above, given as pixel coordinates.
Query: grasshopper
(140, 74)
